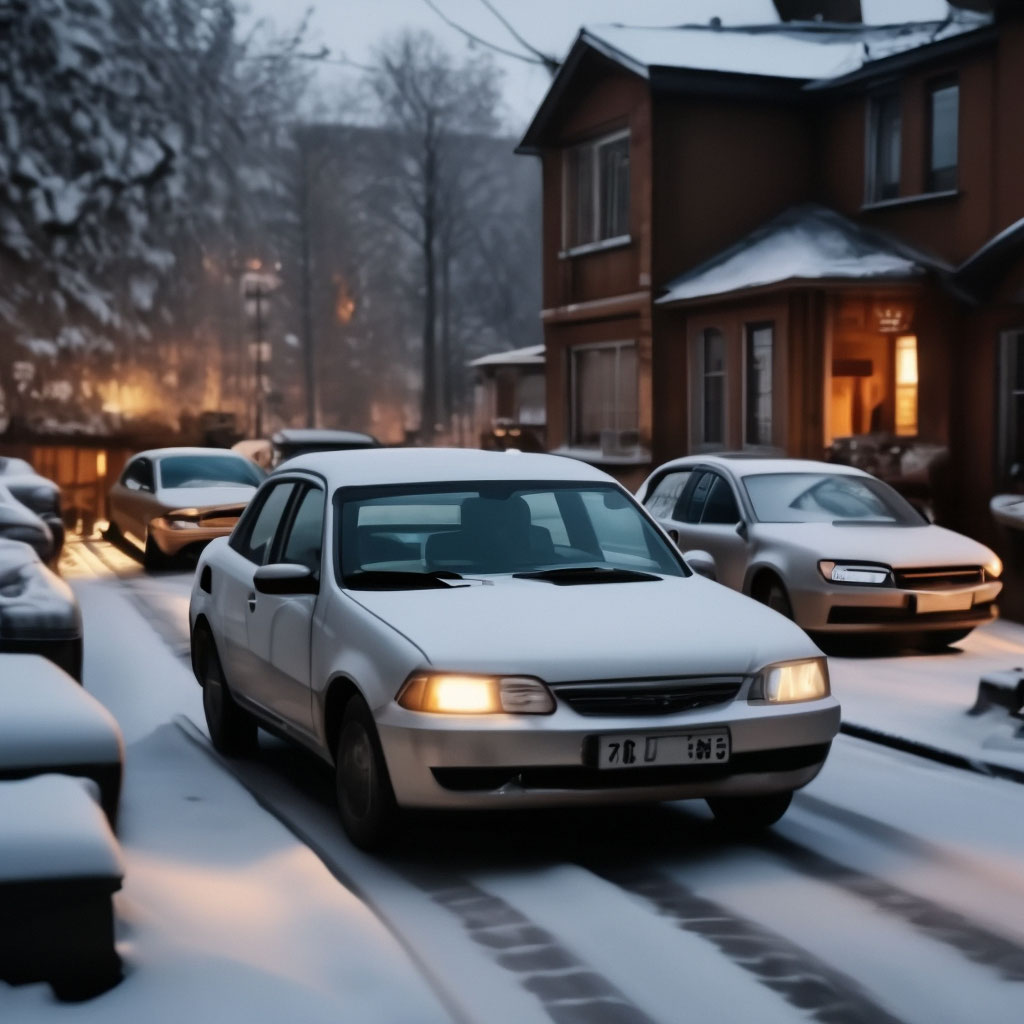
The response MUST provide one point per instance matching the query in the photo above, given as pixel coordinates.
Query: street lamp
(257, 286)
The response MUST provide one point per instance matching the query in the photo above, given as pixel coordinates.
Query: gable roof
(804, 243)
(803, 55)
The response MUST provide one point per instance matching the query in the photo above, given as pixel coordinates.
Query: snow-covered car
(170, 499)
(38, 611)
(827, 545)
(36, 492)
(17, 522)
(468, 629)
(289, 442)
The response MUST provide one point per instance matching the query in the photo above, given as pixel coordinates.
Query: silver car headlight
(791, 681)
(873, 575)
(446, 693)
(993, 568)
(180, 520)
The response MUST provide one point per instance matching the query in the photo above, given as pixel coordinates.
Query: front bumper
(173, 540)
(524, 761)
(866, 609)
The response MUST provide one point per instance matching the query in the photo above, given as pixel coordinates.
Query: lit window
(604, 394)
(944, 116)
(597, 191)
(758, 425)
(884, 148)
(906, 385)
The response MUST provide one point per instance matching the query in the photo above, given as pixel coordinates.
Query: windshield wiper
(382, 579)
(576, 574)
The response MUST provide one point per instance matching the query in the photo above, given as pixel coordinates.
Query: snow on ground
(224, 914)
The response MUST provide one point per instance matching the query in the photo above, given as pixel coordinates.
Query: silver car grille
(939, 578)
(647, 696)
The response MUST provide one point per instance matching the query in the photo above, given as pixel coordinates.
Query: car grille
(647, 696)
(940, 578)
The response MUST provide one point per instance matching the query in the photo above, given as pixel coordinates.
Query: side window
(138, 475)
(720, 506)
(256, 543)
(305, 537)
(662, 502)
(695, 501)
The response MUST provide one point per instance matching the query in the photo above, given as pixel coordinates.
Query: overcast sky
(351, 28)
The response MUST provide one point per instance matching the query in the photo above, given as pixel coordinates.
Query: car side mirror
(702, 563)
(285, 578)
(741, 529)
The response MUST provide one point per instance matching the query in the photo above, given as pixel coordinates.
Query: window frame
(749, 328)
(700, 391)
(1009, 364)
(574, 395)
(570, 185)
(946, 178)
(876, 191)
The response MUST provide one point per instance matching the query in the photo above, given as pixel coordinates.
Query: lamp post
(256, 288)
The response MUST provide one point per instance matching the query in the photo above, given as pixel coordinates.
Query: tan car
(828, 545)
(168, 500)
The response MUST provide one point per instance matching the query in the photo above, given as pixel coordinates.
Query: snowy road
(892, 891)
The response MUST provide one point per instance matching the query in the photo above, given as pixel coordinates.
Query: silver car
(168, 500)
(466, 629)
(828, 545)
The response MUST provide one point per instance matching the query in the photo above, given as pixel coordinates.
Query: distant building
(805, 237)
(509, 407)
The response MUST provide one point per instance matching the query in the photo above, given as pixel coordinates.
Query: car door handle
(252, 602)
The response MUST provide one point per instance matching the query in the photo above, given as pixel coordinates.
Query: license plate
(638, 750)
(944, 602)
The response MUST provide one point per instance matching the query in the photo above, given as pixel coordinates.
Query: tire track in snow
(821, 991)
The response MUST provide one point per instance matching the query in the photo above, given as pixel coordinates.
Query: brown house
(803, 237)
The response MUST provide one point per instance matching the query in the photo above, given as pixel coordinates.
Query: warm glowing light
(463, 695)
(101, 464)
(906, 360)
(906, 385)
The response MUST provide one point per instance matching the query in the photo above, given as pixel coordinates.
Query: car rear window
(839, 498)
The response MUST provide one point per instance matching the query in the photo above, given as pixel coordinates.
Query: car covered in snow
(468, 629)
(18, 522)
(827, 545)
(38, 611)
(35, 492)
(168, 500)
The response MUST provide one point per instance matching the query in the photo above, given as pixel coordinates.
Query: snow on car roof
(370, 466)
(161, 453)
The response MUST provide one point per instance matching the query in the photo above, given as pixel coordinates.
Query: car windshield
(838, 498)
(440, 531)
(209, 470)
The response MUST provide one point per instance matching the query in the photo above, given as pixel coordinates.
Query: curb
(998, 771)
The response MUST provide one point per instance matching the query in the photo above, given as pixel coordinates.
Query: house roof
(806, 55)
(529, 356)
(804, 243)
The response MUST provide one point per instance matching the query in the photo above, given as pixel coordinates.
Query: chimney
(847, 11)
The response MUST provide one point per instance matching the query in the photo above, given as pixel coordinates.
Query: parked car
(168, 500)
(468, 629)
(17, 522)
(292, 441)
(830, 546)
(38, 611)
(37, 493)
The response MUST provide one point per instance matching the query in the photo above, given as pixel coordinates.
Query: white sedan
(465, 629)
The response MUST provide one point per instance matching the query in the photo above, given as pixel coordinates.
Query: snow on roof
(531, 355)
(803, 50)
(806, 242)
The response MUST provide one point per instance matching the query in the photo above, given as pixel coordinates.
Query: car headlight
(791, 681)
(838, 572)
(181, 520)
(450, 694)
(993, 568)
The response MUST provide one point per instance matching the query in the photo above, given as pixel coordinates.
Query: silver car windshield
(493, 527)
(828, 498)
(204, 470)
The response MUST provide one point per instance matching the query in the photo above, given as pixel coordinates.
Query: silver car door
(280, 625)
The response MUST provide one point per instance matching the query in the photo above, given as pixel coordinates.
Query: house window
(944, 117)
(1011, 407)
(597, 191)
(884, 148)
(604, 395)
(758, 411)
(906, 385)
(712, 387)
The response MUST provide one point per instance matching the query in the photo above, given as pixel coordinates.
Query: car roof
(161, 453)
(742, 464)
(382, 466)
(314, 435)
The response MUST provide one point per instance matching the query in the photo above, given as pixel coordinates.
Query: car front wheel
(232, 730)
(748, 815)
(366, 801)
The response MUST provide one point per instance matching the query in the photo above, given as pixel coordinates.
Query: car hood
(896, 546)
(172, 498)
(674, 626)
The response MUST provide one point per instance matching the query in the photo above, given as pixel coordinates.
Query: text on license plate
(709, 746)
